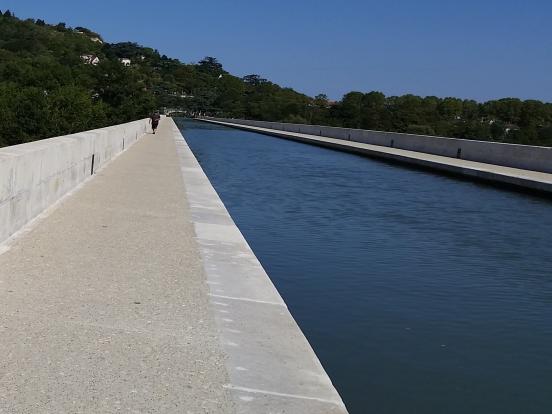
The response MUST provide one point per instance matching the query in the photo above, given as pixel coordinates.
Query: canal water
(420, 293)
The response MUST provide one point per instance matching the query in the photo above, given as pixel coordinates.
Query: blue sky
(482, 49)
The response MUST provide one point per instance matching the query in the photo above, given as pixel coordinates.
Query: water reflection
(420, 293)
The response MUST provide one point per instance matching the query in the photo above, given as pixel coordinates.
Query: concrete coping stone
(271, 365)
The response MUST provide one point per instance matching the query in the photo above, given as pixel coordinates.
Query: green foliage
(47, 89)
(506, 120)
(420, 130)
(210, 65)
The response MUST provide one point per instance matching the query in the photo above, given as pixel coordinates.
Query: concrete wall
(267, 355)
(510, 155)
(35, 175)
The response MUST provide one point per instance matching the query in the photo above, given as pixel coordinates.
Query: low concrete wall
(271, 365)
(35, 175)
(509, 155)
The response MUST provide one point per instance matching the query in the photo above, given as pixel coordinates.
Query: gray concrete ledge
(272, 367)
(525, 157)
(36, 175)
(514, 177)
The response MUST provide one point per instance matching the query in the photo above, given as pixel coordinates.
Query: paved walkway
(104, 304)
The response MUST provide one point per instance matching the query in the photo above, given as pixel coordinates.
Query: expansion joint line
(247, 300)
(281, 394)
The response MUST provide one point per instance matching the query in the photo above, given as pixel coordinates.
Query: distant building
(181, 94)
(90, 59)
(92, 36)
(125, 61)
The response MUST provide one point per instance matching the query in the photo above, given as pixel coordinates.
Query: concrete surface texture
(508, 155)
(35, 175)
(104, 306)
(516, 177)
(272, 368)
(138, 294)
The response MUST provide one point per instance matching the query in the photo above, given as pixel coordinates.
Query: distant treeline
(56, 80)
(507, 120)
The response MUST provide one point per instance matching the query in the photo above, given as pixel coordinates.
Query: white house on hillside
(125, 61)
(90, 59)
(90, 35)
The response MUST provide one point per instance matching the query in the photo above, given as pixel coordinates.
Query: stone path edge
(271, 365)
(514, 178)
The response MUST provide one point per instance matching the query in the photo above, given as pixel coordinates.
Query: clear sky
(482, 49)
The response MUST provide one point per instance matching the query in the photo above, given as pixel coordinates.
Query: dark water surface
(419, 293)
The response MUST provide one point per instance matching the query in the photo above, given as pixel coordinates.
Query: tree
(72, 109)
(253, 79)
(60, 27)
(545, 136)
(321, 100)
(450, 108)
(373, 108)
(350, 109)
(210, 65)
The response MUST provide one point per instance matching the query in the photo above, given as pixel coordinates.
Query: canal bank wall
(33, 176)
(524, 157)
(271, 365)
(521, 179)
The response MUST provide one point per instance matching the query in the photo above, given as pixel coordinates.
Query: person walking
(154, 120)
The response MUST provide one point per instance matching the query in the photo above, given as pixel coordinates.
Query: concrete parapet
(496, 174)
(525, 157)
(35, 175)
(272, 367)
